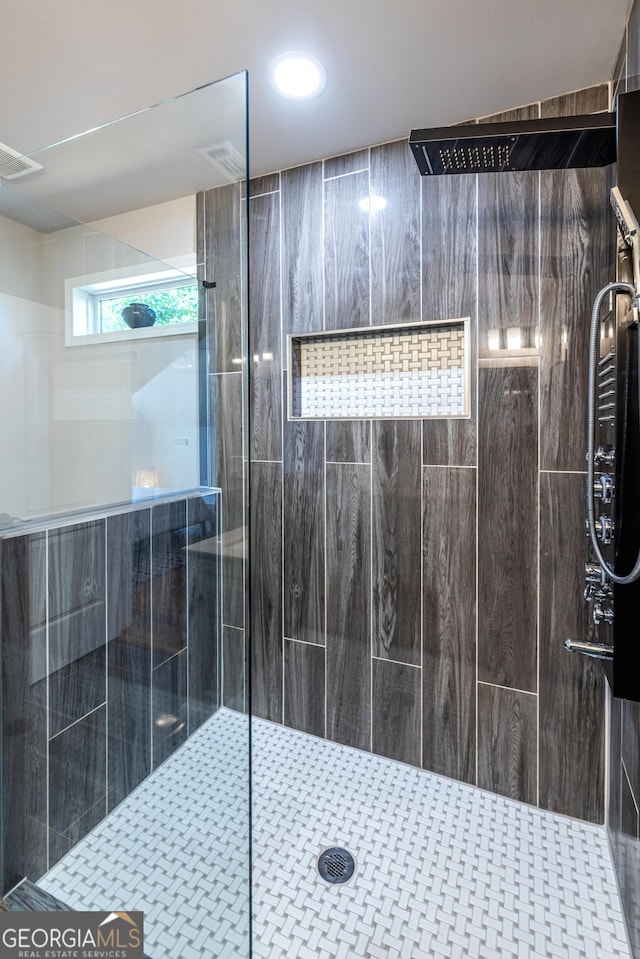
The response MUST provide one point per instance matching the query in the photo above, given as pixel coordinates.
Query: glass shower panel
(125, 734)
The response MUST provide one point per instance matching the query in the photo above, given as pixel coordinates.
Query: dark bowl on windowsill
(137, 315)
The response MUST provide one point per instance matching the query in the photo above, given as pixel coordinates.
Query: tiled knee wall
(110, 634)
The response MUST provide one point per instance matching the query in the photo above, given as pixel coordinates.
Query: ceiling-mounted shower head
(559, 143)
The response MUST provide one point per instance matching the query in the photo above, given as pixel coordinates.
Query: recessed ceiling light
(297, 75)
(370, 204)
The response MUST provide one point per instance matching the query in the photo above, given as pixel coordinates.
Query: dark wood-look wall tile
(615, 777)
(129, 651)
(77, 689)
(577, 259)
(395, 235)
(590, 100)
(129, 577)
(633, 48)
(571, 686)
(507, 742)
(77, 776)
(396, 711)
(228, 475)
(630, 746)
(233, 693)
(223, 265)
(396, 539)
(203, 607)
(259, 185)
(304, 684)
(449, 264)
(265, 328)
(628, 864)
(507, 526)
(301, 198)
(449, 629)
(266, 590)
(349, 441)
(169, 706)
(349, 604)
(168, 579)
(303, 521)
(346, 252)
(346, 164)
(129, 716)
(529, 112)
(508, 232)
(23, 818)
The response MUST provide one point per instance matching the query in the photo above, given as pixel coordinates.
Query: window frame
(84, 293)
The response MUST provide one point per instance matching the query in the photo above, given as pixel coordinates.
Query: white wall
(79, 421)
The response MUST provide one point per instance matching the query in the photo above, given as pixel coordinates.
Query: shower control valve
(604, 529)
(593, 573)
(601, 613)
(604, 456)
(604, 488)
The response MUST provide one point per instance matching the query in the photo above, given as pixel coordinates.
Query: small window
(152, 304)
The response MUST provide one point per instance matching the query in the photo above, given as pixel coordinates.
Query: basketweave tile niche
(409, 371)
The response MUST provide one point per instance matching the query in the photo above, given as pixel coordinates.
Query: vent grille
(226, 160)
(13, 164)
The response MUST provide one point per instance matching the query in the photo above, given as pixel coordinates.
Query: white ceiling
(392, 64)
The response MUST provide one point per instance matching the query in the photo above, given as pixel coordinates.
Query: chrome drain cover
(336, 864)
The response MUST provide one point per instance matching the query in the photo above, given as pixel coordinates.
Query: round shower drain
(336, 865)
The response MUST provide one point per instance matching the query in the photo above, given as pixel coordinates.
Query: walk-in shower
(367, 454)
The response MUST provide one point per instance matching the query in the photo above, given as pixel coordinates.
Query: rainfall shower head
(559, 143)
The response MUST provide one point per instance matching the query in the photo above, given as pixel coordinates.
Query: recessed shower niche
(388, 372)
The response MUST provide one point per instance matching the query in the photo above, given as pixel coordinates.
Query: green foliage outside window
(172, 306)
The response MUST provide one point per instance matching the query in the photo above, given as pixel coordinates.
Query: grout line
(348, 462)
(607, 752)
(255, 196)
(324, 492)
(477, 551)
(303, 642)
(273, 461)
(339, 176)
(283, 401)
(447, 466)
(106, 664)
(566, 472)
(76, 721)
(151, 689)
(633, 798)
(188, 620)
(371, 444)
(511, 689)
(538, 502)
(396, 662)
(47, 695)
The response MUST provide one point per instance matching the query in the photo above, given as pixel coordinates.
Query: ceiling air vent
(13, 164)
(226, 160)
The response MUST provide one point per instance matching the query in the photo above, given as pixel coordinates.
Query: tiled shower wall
(413, 581)
(624, 753)
(109, 633)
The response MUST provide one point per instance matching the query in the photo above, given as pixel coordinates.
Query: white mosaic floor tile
(442, 869)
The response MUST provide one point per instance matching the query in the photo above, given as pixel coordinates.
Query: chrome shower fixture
(630, 230)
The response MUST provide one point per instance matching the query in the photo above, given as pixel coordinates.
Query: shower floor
(442, 869)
